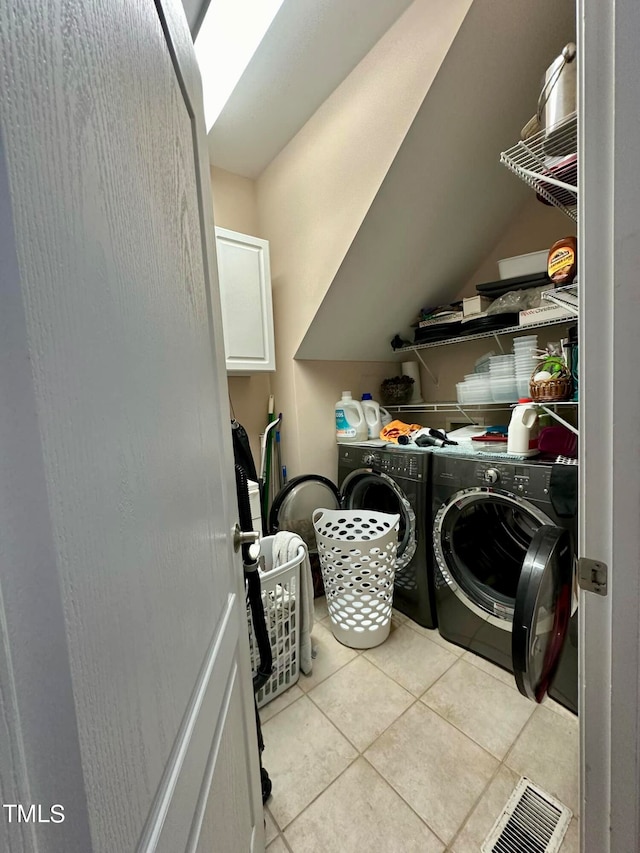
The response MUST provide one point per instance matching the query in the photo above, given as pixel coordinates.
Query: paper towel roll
(412, 369)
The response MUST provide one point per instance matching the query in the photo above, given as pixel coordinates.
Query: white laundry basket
(357, 550)
(281, 602)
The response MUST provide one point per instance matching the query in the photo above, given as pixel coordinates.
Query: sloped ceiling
(310, 47)
(446, 199)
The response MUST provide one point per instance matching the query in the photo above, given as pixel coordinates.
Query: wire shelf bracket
(560, 419)
(432, 376)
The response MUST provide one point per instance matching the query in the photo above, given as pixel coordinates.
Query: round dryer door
(481, 538)
(542, 611)
(375, 490)
(294, 505)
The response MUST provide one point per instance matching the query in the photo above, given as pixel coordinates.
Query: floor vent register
(532, 822)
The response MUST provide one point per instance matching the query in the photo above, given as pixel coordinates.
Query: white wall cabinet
(245, 296)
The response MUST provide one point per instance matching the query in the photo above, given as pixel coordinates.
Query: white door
(609, 270)
(124, 677)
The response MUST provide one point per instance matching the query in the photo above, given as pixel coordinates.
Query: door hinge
(592, 575)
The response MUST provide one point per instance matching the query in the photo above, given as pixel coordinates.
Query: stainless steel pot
(558, 102)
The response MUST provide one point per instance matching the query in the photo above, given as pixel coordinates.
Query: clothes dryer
(504, 544)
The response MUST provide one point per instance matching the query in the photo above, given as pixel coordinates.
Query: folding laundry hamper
(357, 550)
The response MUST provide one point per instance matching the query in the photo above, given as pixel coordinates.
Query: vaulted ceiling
(446, 200)
(310, 47)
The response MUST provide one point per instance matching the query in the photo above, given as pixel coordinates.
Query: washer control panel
(520, 479)
(402, 465)
(394, 462)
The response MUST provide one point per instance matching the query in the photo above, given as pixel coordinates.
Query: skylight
(229, 36)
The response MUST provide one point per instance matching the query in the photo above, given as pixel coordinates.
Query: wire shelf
(548, 162)
(567, 297)
(509, 330)
(471, 407)
(468, 409)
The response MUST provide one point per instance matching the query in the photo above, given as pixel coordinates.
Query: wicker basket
(550, 390)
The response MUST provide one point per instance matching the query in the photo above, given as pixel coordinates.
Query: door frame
(180, 44)
(608, 260)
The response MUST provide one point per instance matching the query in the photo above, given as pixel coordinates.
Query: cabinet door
(245, 294)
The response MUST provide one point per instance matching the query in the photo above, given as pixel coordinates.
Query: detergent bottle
(524, 429)
(350, 421)
(371, 411)
(385, 417)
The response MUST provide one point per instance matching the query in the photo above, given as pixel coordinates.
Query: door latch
(593, 575)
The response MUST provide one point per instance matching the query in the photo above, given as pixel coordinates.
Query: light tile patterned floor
(413, 746)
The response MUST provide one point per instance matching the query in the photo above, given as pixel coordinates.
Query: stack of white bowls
(524, 350)
(503, 378)
(476, 388)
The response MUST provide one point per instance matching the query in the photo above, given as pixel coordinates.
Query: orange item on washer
(397, 428)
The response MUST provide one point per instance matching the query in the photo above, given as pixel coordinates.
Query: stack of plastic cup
(503, 379)
(524, 350)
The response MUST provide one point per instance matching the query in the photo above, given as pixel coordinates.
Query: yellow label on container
(560, 260)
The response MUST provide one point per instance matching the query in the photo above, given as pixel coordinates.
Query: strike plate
(592, 575)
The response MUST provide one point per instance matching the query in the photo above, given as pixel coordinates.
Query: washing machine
(504, 547)
(387, 479)
(396, 479)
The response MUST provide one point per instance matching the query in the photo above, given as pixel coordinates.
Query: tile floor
(412, 746)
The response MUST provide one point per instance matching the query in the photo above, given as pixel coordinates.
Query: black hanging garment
(252, 584)
(242, 450)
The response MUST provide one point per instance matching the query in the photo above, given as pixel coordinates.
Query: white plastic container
(350, 421)
(385, 417)
(371, 411)
(529, 264)
(524, 430)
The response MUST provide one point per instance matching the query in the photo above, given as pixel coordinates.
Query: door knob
(243, 537)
